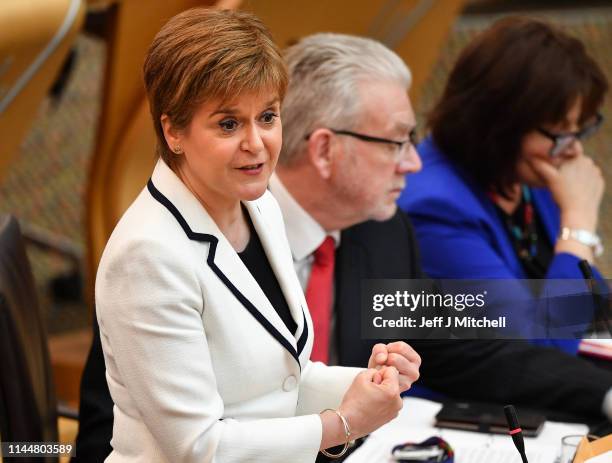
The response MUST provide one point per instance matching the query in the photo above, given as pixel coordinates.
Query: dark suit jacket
(485, 370)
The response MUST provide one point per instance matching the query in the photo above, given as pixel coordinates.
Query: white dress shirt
(305, 235)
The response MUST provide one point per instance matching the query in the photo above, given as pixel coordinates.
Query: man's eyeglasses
(401, 145)
(562, 141)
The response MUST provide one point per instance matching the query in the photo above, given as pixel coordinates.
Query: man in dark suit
(347, 124)
(347, 146)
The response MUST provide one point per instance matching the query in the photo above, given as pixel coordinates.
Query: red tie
(319, 298)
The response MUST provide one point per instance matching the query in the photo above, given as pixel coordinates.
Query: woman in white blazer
(201, 366)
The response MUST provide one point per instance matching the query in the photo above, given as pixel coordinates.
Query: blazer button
(289, 383)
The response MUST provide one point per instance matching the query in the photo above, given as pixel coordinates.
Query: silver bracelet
(583, 237)
(347, 432)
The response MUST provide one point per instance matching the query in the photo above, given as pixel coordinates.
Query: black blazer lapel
(349, 271)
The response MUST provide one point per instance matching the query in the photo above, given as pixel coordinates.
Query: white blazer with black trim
(200, 366)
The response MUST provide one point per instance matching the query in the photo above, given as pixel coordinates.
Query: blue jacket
(461, 235)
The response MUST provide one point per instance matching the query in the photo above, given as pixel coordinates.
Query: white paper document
(415, 423)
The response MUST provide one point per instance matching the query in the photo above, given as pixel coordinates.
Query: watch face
(585, 237)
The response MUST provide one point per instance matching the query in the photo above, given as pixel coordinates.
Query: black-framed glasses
(412, 138)
(562, 141)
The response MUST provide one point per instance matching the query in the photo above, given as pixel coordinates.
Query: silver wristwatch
(584, 237)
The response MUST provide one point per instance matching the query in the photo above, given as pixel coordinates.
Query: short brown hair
(203, 54)
(517, 75)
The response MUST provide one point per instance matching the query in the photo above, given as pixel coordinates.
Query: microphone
(515, 431)
(601, 312)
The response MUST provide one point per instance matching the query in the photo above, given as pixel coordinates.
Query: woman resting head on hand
(528, 94)
(204, 326)
(507, 190)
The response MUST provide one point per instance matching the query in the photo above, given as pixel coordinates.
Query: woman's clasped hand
(373, 398)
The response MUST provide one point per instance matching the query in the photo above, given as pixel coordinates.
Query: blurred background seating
(28, 404)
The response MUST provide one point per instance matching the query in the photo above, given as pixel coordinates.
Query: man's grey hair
(325, 71)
